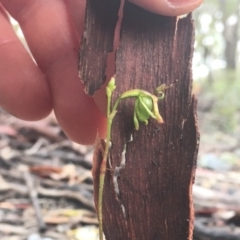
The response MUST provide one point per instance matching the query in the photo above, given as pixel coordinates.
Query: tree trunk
(230, 34)
(147, 192)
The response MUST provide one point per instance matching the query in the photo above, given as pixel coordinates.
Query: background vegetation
(216, 79)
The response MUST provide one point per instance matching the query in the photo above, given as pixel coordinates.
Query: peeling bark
(97, 41)
(155, 198)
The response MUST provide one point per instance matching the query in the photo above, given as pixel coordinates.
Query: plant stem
(101, 183)
(103, 167)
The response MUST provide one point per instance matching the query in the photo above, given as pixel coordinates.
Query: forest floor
(46, 190)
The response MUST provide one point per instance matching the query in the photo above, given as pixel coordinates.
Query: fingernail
(182, 3)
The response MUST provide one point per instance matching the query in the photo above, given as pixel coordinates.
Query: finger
(168, 7)
(55, 49)
(77, 11)
(24, 91)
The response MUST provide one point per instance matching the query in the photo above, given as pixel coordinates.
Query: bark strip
(154, 200)
(97, 42)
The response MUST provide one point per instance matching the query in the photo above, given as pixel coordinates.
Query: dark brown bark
(154, 199)
(97, 42)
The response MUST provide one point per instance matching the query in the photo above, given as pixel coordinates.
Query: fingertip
(23, 88)
(82, 126)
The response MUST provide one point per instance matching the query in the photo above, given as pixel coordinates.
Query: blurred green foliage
(218, 83)
(221, 99)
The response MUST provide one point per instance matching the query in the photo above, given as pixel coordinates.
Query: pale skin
(53, 31)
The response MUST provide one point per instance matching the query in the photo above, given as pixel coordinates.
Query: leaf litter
(46, 188)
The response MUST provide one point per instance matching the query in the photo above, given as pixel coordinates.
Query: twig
(20, 189)
(34, 198)
(203, 231)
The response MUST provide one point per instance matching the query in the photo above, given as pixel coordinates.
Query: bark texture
(147, 193)
(97, 41)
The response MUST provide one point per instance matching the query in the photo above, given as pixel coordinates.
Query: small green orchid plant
(146, 106)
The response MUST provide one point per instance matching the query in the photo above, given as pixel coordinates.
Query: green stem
(103, 167)
(116, 104)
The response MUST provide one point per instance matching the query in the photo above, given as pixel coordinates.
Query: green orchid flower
(146, 104)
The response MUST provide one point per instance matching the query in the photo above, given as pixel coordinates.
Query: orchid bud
(110, 87)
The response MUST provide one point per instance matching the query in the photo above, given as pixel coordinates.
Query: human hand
(53, 30)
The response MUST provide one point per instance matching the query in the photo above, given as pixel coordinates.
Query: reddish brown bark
(155, 183)
(97, 41)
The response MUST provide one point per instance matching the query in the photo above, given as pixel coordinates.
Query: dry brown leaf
(61, 216)
(45, 171)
